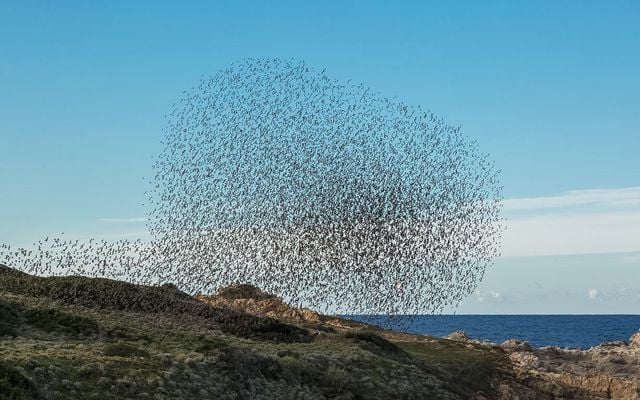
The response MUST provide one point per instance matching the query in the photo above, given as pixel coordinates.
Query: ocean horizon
(562, 330)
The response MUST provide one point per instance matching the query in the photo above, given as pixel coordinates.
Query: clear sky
(551, 89)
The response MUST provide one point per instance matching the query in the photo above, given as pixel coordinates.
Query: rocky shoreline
(608, 371)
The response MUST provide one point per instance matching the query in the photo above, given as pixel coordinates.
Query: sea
(569, 331)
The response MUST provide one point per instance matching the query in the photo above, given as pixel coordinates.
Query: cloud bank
(574, 222)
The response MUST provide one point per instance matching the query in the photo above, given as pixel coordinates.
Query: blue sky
(550, 89)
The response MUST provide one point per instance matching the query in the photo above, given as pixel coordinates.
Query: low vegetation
(81, 338)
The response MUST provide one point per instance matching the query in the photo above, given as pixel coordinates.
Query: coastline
(563, 330)
(610, 370)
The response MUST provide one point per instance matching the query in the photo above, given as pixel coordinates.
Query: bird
(318, 190)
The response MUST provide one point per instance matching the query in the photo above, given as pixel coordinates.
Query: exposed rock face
(249, 299)
(608, 371)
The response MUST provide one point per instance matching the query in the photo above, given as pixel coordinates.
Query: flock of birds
(322, 192)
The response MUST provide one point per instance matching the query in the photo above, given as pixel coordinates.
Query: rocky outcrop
(251, 300)
(459, 336)
(516, 345)
(608, 371)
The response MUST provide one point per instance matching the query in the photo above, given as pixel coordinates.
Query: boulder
(634, 342)
(458, 336)
(512, 345)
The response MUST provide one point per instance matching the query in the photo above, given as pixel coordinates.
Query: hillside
(82, 338)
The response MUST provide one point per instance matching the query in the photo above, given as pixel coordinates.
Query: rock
(634, 342)
(458, 336)
(527, 360)
(616, 343)
(610, 370)
(516, 345)
(551, 350)
(252, 300)
(601, 386)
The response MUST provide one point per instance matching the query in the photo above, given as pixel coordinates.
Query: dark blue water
(577, 331)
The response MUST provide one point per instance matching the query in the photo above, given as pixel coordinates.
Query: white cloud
(604, 197)
(573, 234)
(123, 220)
(576, 222)
(490, 296)
(592, 294)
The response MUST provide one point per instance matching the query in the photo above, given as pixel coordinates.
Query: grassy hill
(82, 338)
